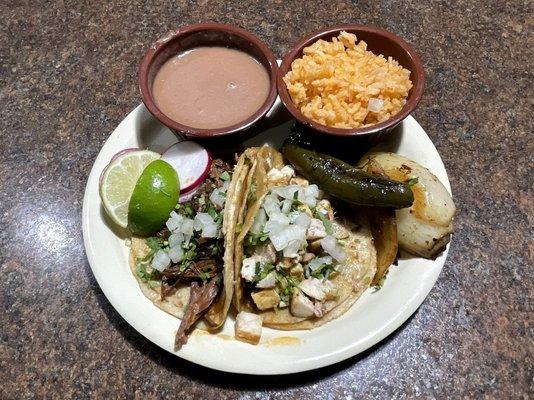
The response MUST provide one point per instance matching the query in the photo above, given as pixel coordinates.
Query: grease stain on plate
(283, 341)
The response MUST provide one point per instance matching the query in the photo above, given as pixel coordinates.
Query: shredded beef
(200, 298)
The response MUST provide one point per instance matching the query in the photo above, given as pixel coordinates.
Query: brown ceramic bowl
(205, 34)
(379, 41)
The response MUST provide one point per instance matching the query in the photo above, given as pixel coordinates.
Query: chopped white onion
(174, 221)
(268, 282)
(330, 245)
(187, 226)
(318, 261)
(205, 223)
(279, 217)
(293, 247)
(271, 204)
(375, 105)
(303, 220)
(286, 192)
(259, 222)
(286, 206)
(176, 239)
(217, 197)
(161, 260)
(176, 253)
(282, 238)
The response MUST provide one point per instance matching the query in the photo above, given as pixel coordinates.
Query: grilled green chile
(346, 182)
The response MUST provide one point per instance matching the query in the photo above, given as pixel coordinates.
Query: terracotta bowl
(379, 41)
(205, 34)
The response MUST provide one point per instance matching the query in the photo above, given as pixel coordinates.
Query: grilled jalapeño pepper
(346, 182)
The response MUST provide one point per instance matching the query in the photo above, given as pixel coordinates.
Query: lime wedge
(154, 197)
(118, 182)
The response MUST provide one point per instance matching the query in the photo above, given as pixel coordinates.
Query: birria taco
(297, 263)
(186, 269)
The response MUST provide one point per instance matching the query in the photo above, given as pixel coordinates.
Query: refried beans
(211, 87)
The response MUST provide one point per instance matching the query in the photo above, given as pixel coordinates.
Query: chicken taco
(186, 269)
(297, 263)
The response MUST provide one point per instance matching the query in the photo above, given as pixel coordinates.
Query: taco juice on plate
(297, 264)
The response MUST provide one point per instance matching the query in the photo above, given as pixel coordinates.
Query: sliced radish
(191, 161)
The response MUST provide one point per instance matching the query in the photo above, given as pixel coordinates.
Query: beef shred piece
(200, 298)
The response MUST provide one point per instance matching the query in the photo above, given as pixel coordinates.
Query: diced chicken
(318, 309)
(325, 208)
(248, 271)
(306, 257)
(297, 272)
(315, 246)
(248, 327)
(266, 299)
(280, 177)
(268, 282)
(316, 230)
(287, 263)
(301, 306)
(266, 253)
(298, 181)
(330, 290)
(313, 287)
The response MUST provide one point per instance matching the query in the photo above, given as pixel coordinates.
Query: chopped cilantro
(326, 222)
(204, 276)
(201, 200)
(212, 211)
(155, 243)
(185, 210)
(263, 271)
(253, 239)
(225, 176)
(144, 274)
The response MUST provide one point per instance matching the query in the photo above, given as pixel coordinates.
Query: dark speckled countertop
(68, 77)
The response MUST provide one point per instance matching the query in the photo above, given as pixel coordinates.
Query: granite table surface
(68, 77)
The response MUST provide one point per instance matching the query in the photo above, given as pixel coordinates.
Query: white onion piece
(280, 218)
(268, 282)
(176, 239)
(311, 191)
(293, 247)
(161, 260)
(205, 223)
(187, 226)
(330, 245)
(286, 192)
(259, 222)
(174, 221)
(424, 228)
(217, 197)
(274, 227)
(375, 105)
(303, 220)
(282, 238)
(176, 253)
(271, 205)
(286, 206)
(318, 261)
(191, 161)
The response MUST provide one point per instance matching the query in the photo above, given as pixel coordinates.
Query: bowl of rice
(351, 80)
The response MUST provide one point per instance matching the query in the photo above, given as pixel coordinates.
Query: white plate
(373, 317)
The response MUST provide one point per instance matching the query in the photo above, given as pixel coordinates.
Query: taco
(297, 264)
(186, 269)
